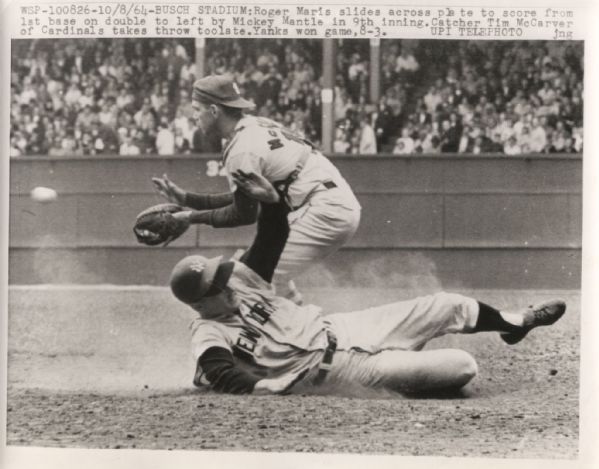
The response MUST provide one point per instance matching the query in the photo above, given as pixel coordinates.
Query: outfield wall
(451, 220)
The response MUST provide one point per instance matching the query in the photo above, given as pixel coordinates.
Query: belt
(325, 364)
(326, 184)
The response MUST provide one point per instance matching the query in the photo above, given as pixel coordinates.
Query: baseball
(43, 194)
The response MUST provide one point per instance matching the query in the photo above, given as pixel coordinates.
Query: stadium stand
(131, 96)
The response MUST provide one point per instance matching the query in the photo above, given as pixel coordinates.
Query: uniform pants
(381, 347)
(317, 230)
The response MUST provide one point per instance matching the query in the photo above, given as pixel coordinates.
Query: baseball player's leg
(514, 325)
(404, 371)
(317, 231)
(405, 325)
(425, 370)
(409, 325)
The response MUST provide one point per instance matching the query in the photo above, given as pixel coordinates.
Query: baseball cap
(220, 89)
(196, 277)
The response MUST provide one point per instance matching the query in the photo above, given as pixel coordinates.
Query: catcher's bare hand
(169, 190)
(256, 186)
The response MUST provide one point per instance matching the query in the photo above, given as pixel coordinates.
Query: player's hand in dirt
(278, 385)
(169, 190)
(256, 186)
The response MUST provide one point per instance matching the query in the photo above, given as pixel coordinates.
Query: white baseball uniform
(273, 337)
(325, 212)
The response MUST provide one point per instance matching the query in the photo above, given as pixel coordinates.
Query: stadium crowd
(131, 96)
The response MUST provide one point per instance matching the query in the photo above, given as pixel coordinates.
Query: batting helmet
(196, 277)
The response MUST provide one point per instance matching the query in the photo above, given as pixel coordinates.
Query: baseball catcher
(323, 211)
(247, 339)
(160, 224)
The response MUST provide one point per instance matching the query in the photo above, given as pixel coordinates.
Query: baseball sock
(491, 319)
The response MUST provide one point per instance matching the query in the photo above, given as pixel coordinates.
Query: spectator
(404, 145)
(145, 118)
(511, 147)
(183, 125)
(125, 100)
(525, 139)
(14, 148)
(354, 143)
(577, 138)
(546, 93)
(367, 137)
(450, 137)
(568, 145)
(107, 116)
(181, 142)
(422, 116)
(159, 97)
(185, 107)
(188, 70)
(466, 141)
(340, 145)
(435, 145)
(56, 147)
(99, 146)
(384, 123)
(165, 139)
(432, 99)
(538, 135)
(495, 145)
(86, 146)
(128, 147)
(143, 141)
(406, 64)
(479, 145)
(72, 95)
(558, 141)
(426, 140)
(69, 145)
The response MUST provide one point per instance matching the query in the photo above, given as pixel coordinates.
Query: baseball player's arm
(243, 211)
(256, 186)
(173, 193)
(271, 235)
(208, 201)
(219, 369)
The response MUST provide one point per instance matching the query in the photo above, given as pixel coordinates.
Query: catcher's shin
(157, 225)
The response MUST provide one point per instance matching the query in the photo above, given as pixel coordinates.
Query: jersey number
(276, 142)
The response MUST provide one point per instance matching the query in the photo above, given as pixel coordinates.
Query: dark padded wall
(468, 218)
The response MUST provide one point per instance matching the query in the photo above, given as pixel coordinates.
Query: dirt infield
(110, 368)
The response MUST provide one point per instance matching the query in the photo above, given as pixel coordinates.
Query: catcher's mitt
(157, 225)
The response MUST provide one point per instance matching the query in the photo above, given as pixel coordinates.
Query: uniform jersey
(267, 334)
(263, 146)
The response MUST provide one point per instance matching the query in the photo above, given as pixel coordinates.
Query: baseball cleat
(543, 314)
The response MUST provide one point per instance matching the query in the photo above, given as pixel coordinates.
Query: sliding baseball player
(248, 339)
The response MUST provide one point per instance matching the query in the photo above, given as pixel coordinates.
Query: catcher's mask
(196, 277)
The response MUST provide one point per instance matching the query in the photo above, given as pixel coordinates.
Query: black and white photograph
(228, 243)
